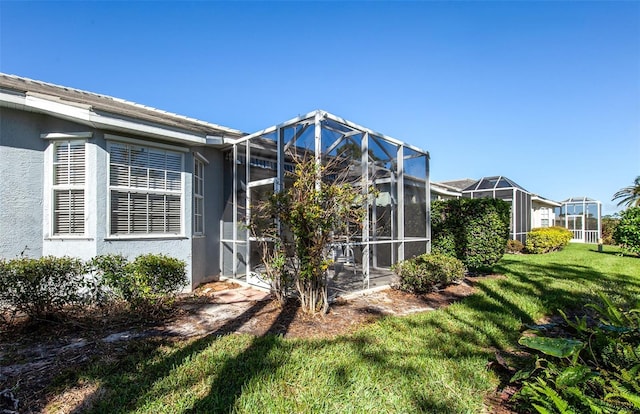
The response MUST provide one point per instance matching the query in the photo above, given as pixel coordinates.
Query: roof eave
(84, 114)
(543, 200)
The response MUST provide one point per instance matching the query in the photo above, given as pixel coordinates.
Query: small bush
(42, 288)
(627, 233)
(148, 280)
(421, 274)
(111, 270)
(547, 239)
(514, 246)
(609, 225)
(159, 275)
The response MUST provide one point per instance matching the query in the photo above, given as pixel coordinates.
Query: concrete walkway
(240, 295)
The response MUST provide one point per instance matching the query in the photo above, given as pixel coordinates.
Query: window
(145, 187)
(68, 187)
(198, 197)
(544, 217)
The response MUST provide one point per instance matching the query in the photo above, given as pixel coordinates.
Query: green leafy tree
(627, 233)
(629, 196)
(296, 226)
(609, 224)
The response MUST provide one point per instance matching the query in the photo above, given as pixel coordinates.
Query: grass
(430, 362)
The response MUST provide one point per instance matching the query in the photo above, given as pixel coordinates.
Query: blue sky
(545, 93)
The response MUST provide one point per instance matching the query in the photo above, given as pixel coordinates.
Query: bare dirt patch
(32, 356)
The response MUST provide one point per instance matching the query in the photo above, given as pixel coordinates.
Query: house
(444, 191)
(543, 211)
(581, 215)
(528, 210)
(85, 174)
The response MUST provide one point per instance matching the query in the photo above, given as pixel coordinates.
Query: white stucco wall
(536, 214)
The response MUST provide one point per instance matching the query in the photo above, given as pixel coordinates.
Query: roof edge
(158, 112)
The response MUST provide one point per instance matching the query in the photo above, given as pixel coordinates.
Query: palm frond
(629, 196)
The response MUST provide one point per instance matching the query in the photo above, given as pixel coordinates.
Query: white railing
(585, 236)
(591, 236)
(577, 236)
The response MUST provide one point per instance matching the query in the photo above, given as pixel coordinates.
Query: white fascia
(442, 191)
(543, 200)
(83, 114)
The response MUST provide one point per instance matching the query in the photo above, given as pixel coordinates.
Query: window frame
(67, 187)
(545, 216)
(128, 189)
(198, 196)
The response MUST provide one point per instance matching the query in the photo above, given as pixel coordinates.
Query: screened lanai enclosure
(581, 215)
(505, 189)
(392, 176)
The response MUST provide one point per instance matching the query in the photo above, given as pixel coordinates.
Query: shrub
(473, 230)
(547, 239)
(111, 270)
(422, 273)
(627, 233)
(148, 280)
(43, 287)
(514, 246)
(160, 275)
(609, 225)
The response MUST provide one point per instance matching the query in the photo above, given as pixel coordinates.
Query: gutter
(84, 114)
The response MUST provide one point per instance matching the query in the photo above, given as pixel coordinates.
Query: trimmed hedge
(148, 279)
(474, 231)
(42, 287)
(547, 239)
(46, 287)
(423, 273)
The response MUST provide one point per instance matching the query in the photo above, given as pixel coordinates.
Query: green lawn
(430, 362)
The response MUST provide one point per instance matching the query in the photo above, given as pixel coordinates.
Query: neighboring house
(528, 210)
(458, 185)
(85, 174)
(543, 211)
(581, 215)
(505, 189)
(441, 191)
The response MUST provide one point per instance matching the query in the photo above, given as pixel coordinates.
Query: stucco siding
(537, 214)
(26, 167)
(21, 186)
(206, 248)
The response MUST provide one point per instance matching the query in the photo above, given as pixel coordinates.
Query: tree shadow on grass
(493, 320)
(135, 376)
(619, 253)
(254, 361)
(590, 281)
